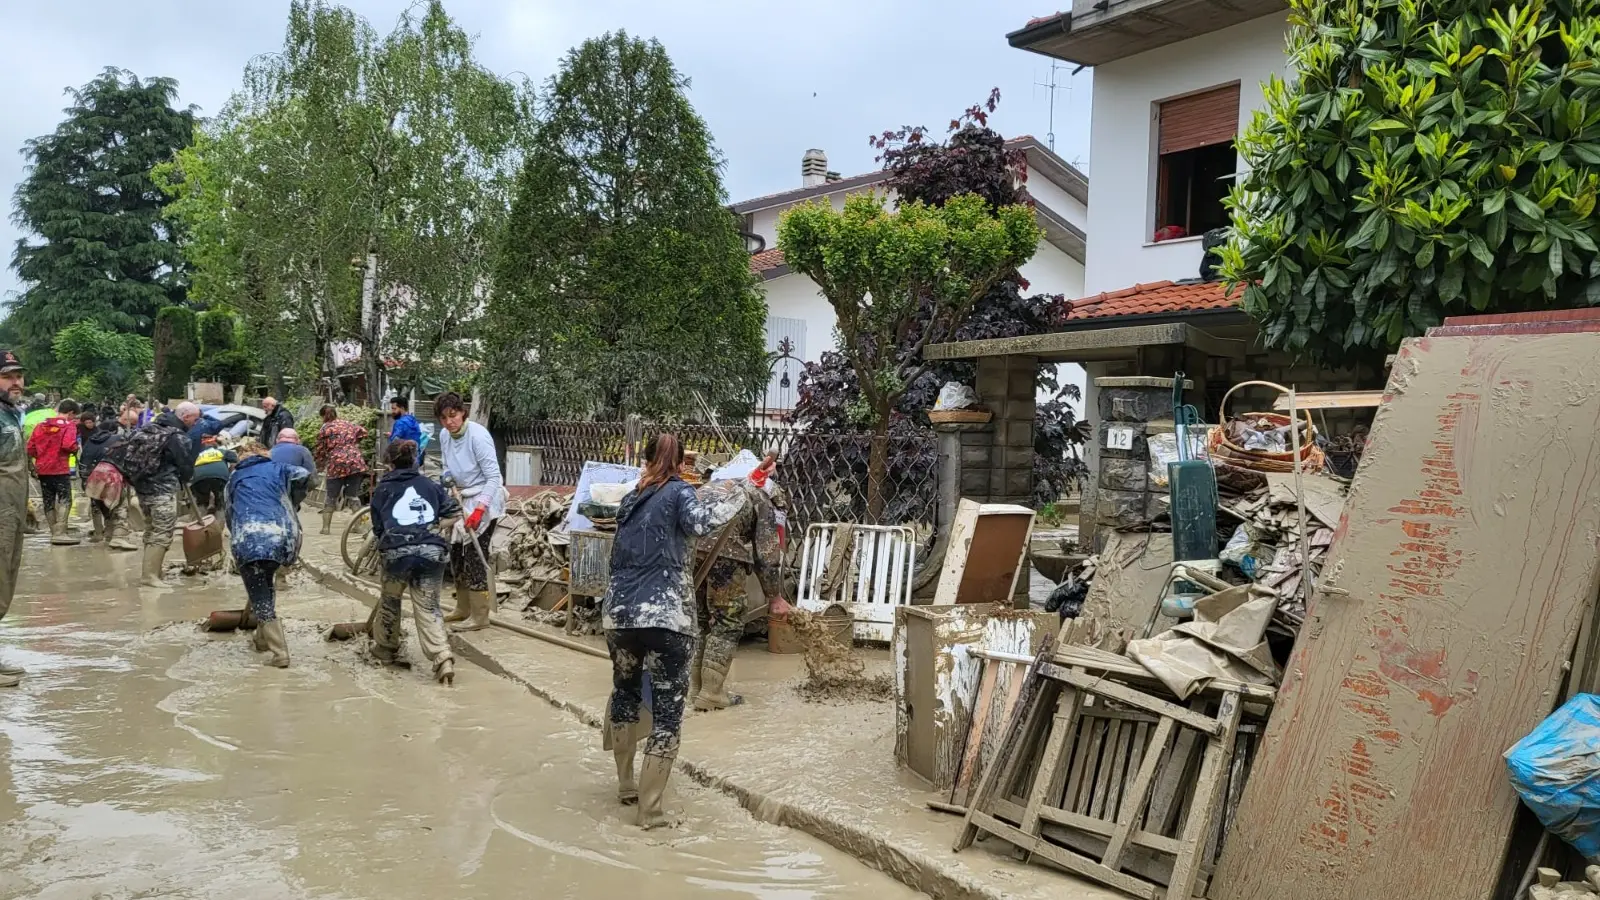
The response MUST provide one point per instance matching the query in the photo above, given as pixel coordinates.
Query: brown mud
(143, 757)
(834, 671)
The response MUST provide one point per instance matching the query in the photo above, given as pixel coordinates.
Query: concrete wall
(1122, 144)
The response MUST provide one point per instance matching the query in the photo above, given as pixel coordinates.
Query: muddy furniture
(1105, 774)
(941, 686)
(987, 555)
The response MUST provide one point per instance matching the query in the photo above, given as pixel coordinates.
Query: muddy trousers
(160, 518)
(260, 587)
(721, 612)
(468, 566)
(56, 491)
(666, 656)
(422, 580)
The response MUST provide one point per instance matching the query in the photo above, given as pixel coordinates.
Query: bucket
(781, 637)
(202, 540)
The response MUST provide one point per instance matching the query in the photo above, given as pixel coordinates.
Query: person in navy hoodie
(408, 511)
(263, 534)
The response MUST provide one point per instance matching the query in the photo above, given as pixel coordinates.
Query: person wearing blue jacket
(405, 424)
(650, 619)
(263, 534)
(408, 511)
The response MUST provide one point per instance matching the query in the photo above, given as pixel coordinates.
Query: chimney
(813, 168)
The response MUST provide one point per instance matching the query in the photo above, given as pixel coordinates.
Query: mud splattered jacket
(753, 538)
(652, 566)
(261, 521)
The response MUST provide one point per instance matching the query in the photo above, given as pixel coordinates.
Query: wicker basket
(1311, 457)
(959, 416)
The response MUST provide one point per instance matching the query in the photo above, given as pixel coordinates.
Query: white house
(796, 309)
(1175, 81)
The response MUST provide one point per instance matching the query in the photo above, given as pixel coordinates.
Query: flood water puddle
(142, 758)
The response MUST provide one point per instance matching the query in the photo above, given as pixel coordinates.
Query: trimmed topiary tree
(1431, 158)
(177, 346)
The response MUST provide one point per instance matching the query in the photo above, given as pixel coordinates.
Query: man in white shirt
(467, 451)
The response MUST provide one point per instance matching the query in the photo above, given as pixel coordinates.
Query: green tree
(888, 273)
(354, 188)
(100, 363)
(223, 358)
(96, 246)
(177, 345)
(623, 284)
(1430, 158)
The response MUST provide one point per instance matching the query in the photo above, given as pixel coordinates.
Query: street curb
(912, 868)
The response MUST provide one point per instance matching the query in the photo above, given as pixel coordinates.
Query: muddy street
(144, 758)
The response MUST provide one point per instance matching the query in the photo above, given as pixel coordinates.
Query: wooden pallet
(1114, 782)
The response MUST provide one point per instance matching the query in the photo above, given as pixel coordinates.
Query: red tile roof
(1154, 299)
(765, 260)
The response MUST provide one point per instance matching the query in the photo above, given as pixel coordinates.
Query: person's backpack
(139, 457)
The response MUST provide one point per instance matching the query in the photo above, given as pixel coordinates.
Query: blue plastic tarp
(1556, 771)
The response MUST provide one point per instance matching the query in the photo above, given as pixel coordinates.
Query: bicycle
(359, 546)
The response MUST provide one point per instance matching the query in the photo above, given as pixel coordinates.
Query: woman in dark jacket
(263, 534)
(407, 509)
(649, 616)
(102, 436)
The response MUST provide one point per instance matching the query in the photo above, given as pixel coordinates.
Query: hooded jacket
(262, 525)
(406, 505)
(95, 444)
(652, 568)
(277, 421)
(52, 445)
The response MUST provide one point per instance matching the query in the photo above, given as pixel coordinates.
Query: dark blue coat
(652, 578)
(262, 525)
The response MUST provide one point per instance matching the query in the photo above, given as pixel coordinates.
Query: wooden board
(1127, 586)
(1457, 579)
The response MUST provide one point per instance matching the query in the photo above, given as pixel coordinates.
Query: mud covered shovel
(202, 538)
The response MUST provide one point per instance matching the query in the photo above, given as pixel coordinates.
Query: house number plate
(1119, 437)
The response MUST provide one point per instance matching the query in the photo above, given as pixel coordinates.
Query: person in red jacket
(53, 444)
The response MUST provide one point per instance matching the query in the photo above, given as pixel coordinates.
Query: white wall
(1122, 144)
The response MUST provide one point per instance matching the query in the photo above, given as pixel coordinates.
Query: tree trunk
(371, 361)
(878, 471)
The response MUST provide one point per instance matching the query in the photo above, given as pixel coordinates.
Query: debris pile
(1265, 546)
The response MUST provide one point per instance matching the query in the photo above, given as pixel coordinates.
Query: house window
(1196, 161)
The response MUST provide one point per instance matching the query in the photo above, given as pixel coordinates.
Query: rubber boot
(258, 638)
(155, 556)
(694, 668)
(121, 537)
(624, 746)
(653, 776)
(327, 521)
(714, 671)
(10, 680)
(31, 522)
(477, 604)
(98, 532)
(444, 671)
(459, 614)
(59, 535)
(271, 632)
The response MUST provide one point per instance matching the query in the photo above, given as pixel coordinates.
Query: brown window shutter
(1199, 120)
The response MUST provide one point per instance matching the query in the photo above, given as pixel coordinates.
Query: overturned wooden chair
(1105, 774)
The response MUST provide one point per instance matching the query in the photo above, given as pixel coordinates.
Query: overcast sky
(771, 79)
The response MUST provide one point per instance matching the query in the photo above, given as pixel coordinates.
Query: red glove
(474, 519)
(758, 478)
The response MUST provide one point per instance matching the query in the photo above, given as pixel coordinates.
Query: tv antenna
(1053, 85)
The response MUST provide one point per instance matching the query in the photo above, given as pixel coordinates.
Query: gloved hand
(778, 606)
(458, 532)
(447, 481)
(474, 518)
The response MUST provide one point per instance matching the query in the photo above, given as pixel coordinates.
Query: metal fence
(825, 475)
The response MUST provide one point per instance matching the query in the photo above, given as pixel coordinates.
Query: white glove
(458, 532)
